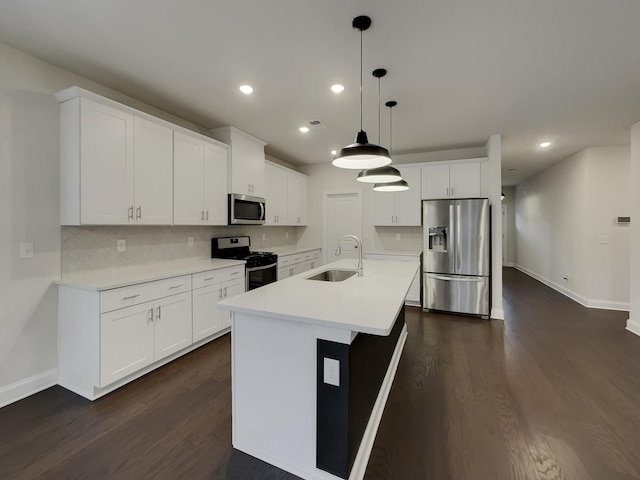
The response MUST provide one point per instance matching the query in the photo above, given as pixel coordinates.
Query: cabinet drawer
(210, 277)
(285, 261)
(143, 292)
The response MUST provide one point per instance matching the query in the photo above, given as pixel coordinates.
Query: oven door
(246, 210)
(259, 276)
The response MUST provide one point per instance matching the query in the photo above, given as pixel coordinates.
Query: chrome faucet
(358, 246)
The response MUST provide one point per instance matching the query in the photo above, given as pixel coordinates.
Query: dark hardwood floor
(552, 393)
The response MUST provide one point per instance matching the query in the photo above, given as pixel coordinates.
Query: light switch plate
(190, 241)
(331, 371)
(26, 250)
(398, 236)
(603, 239)
(121, 245)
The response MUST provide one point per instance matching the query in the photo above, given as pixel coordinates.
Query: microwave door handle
(262, 211)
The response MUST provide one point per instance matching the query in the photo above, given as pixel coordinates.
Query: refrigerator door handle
(451, 246)
(458, 238)
(456, 279)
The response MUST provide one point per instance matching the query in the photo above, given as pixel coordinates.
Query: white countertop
(408, 253)
(108, 278)
(367, 304)
(291, 250)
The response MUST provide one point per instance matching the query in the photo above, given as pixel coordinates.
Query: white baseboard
(497, 314)
(633, 327)
(608, 305)
(507, 264)
(585, 302)
(28, 386)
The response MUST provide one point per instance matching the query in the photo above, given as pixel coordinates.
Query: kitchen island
(312, 365)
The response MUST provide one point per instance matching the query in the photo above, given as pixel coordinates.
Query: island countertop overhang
(366, 304)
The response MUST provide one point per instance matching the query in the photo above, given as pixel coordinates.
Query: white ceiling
(567, 71)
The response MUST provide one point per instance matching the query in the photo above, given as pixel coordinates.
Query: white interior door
(342, 216)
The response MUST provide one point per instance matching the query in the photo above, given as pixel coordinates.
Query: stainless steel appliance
(246, 210)
(261, 268)
(456, 256)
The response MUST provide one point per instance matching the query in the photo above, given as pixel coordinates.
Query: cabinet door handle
(452, 191)
(131, 297)
(207, 215)
(150, 317)
(139, 212)
(447, 191)
(235, 273)
(174, 286)
(130, 212)
(202, 216)
(158, 312)
(225, 292)
(220, 294)
(208, 279)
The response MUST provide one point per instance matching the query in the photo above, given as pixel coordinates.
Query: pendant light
(401, 184)
(361, 154)
(386, 174)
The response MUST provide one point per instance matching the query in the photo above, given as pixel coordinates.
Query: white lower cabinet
(126, 342)
(110, 337)
(208, 289)
(293, 264)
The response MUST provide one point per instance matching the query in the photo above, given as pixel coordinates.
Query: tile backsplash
(88, 248)
(386, 238)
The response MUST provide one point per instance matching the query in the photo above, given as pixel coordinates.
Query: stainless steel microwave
(246, 210)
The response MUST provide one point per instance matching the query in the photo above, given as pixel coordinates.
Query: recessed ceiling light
(304, 129)
(246, 89)
(337, 88)
(333, 152)
(545, 144)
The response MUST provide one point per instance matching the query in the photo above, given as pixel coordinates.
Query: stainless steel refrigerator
(456, 257)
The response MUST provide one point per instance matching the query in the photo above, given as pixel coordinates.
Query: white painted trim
(366, 445)
(28, 386)
(608, 305)
(497, 314)
(508, 264)
(633, 327)
(585, 302)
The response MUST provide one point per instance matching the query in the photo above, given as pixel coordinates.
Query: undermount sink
(333, 275)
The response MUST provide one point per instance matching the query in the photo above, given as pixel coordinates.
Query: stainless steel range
(261, 267)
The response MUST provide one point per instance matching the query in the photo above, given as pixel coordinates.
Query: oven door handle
(263, 267)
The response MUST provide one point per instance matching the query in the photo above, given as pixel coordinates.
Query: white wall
(510, 202)
(561, 214)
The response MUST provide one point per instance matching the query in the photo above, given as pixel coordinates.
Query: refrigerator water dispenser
(438, 239)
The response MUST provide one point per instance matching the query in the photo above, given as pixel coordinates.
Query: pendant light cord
(361, 80)
(379, 122)
(390, 129)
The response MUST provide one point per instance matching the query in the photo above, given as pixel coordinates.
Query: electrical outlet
(286, 234)
(332, 371)
(121, 245)
(264, 236)
(398, 236)
(26, 250)
(190, 241)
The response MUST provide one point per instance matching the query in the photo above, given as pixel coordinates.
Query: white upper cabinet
(297, 188)
(286, 196)
(200, 181)
(451, 180)
(153, 161)
(276, 195)
(97, 164)
(399, 208)
(246, 161)
(215, 184)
